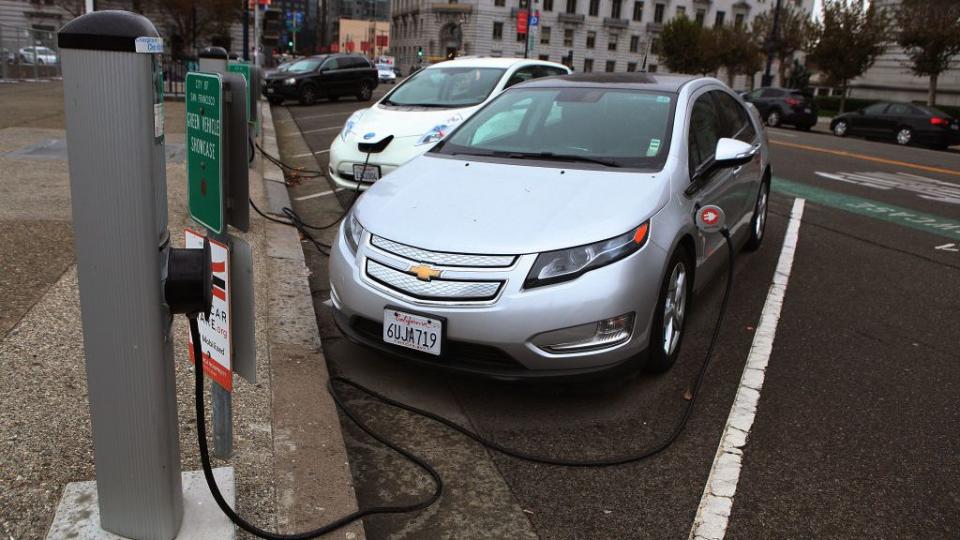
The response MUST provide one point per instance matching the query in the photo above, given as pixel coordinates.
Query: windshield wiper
(557, 157)
(428, 105)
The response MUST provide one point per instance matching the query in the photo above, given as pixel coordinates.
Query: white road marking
(949, 247)
(321, 194)
(312, 116)
(716, 503)
(311, 153)
(923, 187)
(779, 133)
(318, 130)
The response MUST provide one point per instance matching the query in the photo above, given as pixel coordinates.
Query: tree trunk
(932, 94)
(843, 96)
(730, 76)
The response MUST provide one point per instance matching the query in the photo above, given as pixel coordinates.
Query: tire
(758, 224)
(308, 94)
(774, 118)
(904, 135)
(840, 128)
(667, 330)
(365, 92)
(274, 100)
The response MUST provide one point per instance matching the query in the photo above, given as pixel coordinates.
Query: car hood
(446, 204)
(407, 121)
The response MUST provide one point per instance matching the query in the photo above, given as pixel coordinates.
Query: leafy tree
(851, 36)
(680, 46)
(737, 51)
(799, 77)
(797, 33)
(929, 32)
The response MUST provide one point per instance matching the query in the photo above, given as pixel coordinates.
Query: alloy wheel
(773, 119)
(674, 308)
(904, 136)
(761, 212)
(840, 129)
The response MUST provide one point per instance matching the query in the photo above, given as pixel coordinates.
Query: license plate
(370, 173)
(808, 110)
(415, 332)
(955, 126)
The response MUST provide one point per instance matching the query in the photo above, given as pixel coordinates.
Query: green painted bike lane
(939, 225)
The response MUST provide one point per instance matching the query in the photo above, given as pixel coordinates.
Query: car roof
(489, 61)
(635, 81)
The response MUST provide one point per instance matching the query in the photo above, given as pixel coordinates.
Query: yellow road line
(864, 157)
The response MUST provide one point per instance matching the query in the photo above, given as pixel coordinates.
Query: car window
(901, 109)
(933, 111)
(756, 93)
(876, 108)
(736, 122)
(550, 71)
(304, 66)
(446, 87)
(331, 63)
(520, 75)
(771, 93)
(704, 131)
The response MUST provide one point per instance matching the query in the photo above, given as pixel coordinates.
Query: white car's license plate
(369, 174)
(416, 332)
(269, 90)
(955, 126)
(808, 110)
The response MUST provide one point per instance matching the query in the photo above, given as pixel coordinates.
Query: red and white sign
(215, 329)
(710, 217)
(522, 21)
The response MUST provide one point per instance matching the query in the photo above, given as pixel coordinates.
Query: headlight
(439, 131)
(352, 232)
(351, 122)
(566, 264)
(290, 82)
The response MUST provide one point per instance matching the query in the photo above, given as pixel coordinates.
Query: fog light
(599, 335)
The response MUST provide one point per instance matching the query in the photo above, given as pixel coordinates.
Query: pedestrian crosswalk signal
(419, 52)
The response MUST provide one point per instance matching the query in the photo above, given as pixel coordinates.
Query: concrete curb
(313, 481)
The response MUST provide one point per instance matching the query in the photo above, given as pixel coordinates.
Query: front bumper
(495, 338)
(280, 91)
(345, 154)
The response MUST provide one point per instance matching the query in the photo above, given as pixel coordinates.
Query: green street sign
(205, 149)
(243, 69)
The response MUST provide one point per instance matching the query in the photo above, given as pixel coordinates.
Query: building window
(634, 43)
(653, 68)
(611, 66)
(591, 39)
(497, 31)
(638, 11)
(587, 65)
(612, 44)
(700, 16)
(655, 45)
(544, 57)
(738, 20)
(548, 5)
(499, 3)
(719, 20)
(571, 6)
(631, 67)
(658, 13)
(594, 8)
(545, 35)
(615, 8)
(568, 37)
(681, 11)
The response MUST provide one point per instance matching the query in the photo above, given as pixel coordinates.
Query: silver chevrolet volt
(552, 234)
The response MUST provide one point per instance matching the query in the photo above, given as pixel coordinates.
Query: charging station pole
(115, 141)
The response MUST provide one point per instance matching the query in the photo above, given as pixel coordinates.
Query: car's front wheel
(666, 333)
(308, 95)
(840, 128)
(365, 92)
(759, 222)
(904, 136)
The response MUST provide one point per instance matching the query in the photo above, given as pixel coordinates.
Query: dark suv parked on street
(783, 106)
(329, 76)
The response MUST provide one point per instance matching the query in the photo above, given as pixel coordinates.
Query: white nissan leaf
(421, 111)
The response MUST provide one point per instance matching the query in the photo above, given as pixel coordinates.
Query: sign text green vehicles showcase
(205, 185)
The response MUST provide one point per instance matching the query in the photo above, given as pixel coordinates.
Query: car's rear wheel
(773, 118)
(840, 128)
(759, 222)
(666, 333)
(904, 136)
(308, 95)
(365, 92)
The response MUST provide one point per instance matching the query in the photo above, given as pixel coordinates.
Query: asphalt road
(856, 428)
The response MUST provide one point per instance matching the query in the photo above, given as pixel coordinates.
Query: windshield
(615, 127)
(446, 87)
(303, 66)
(384, 67)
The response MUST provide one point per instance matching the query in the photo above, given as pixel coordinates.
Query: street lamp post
(767, 79)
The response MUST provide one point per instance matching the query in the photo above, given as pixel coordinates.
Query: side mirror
(732, 153)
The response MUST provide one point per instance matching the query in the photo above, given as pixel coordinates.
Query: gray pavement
(855, 429)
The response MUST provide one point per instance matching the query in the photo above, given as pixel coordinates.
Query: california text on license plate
(370, 173)
(415, 332)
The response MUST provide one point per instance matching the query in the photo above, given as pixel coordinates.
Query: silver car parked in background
(552, 233)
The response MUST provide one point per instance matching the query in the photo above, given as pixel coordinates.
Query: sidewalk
(289, 459)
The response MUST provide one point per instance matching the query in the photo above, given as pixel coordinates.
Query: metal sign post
(119, 201)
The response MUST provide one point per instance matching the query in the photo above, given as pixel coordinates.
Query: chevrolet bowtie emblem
(424, 272)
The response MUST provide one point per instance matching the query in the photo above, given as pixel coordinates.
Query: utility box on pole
(115, 144)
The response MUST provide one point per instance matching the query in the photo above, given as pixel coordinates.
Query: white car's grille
(436, 289)
(441, 258)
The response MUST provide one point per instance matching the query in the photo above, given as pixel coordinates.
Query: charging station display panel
(215, 329)
(244, 70)
(205, 191)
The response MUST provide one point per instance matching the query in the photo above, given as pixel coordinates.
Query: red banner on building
(522, 22)
(365, 46)
(334, 47)
(383, 41)
(350, 46)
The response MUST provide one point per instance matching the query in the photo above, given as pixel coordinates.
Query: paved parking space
(854, 431)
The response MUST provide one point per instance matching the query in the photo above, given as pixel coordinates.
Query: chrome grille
(440, 258)
(436, 289)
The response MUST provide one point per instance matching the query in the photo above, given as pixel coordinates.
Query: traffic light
(271, 28)
(420, 53)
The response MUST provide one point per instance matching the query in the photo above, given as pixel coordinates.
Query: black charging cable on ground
(419, 461)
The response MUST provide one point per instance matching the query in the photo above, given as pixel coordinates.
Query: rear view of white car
(421, 111)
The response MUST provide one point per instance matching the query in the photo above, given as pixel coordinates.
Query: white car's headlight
(352, 232)
(351, 122)
(290, 82)
(566, 264)
(439, 131)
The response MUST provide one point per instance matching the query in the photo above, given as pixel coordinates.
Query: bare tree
(197, 21)
(74, 8)
(851, 35)
(929, 32)
(797, 33)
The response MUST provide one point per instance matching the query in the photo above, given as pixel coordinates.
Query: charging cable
(419, 461)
